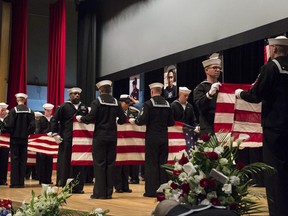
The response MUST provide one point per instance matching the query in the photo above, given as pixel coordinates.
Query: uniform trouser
(134, 172)
(44, 167)
(64, 163)
(121, 174)
(4, 154)
(275, 153)
(156, 154)
(18, 150)
(104, 156)
(65, 170)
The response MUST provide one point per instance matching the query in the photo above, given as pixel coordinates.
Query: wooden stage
(122, 204)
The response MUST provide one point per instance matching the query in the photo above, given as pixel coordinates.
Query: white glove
(132, 120)
(238, 92)
(49, 134)
(214, 88)
(78, 118)
(58, 139)
(197, 129)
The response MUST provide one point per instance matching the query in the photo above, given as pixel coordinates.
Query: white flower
(227, 188)
(223, 161)
(183, 176)
(235, 180)
(180, 154)
(205, 202)
(219, 150)
(98, 210)
(177, 166)
(189, 168)
(163, 187)
(207, 149)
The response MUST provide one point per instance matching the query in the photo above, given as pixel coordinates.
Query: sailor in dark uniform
(183, 111)
(122, 172)
(62, 123)
(157, 115)
(44, 162)
(271, 88)
(20, 123)
(205, 94)
(104, 111)
(4, 152)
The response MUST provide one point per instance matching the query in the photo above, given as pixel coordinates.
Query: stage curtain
(17, 81)
(151, 77)
(121, 87)
(86, 51)
(242, 63)
(57, 53)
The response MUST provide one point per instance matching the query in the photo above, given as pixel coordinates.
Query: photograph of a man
(170, 86)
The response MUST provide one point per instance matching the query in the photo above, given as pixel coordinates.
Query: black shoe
(78, 192)
(149, 195)
(119, 191)
(16, 186)
(127, 191)
(132, 181)
(100, 197)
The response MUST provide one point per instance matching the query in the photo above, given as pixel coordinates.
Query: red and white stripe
(130, 143)
(237, 116)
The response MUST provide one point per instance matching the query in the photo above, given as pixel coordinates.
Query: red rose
(212, 183)
(174, 185)
(185, 187)
(212, 155)
(233, 206)
(215, 201)
(205, 137)
(176, 172)
(204, 182)
(201, 197)
(183, 160)
(240, 165)
(160, 197)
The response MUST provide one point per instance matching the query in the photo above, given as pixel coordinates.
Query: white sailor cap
(124, 97)
(48, 106)
(184, 90)
(38, 114)
(74, 89)
(156, 85)
(21, 95)
(103, 82)
(213, 60)
(3, 105)
(280, 40)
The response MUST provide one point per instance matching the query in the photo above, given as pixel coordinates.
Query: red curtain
(17, 80)
(57, 53)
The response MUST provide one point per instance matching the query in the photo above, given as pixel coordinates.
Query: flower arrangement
(209, 175)
(6, 207)
(51, 201)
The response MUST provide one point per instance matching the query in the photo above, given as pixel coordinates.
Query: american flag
(41, 143)
(237, 116)
(130, 143)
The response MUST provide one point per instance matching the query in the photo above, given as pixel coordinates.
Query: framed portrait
(134, 87)
(170, 81)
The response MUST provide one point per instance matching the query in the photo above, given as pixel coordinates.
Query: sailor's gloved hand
(78, 118)
(58, 139)
(238, 92)
(132, 120)
(214, 88)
